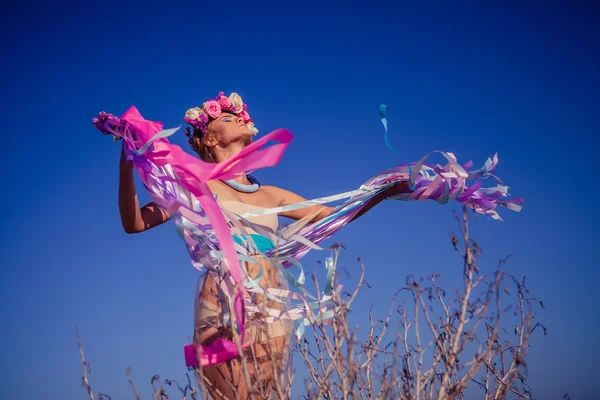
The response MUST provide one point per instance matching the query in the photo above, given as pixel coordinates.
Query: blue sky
(518, 80)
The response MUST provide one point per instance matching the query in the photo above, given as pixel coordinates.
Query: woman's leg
(271, 341)
(226, 381)
(265, 360)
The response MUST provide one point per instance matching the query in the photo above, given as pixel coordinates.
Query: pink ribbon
(194, 175)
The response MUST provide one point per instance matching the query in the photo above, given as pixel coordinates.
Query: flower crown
(199, 117)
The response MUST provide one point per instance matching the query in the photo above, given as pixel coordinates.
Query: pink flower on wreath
(213, 109)
(244, 114)
(203, 118)
(225, 103)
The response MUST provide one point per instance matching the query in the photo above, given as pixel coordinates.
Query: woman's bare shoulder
(281, 195)
(221, 190)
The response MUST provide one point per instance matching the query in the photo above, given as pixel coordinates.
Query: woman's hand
(397, 188)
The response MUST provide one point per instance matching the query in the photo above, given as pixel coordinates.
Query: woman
(219, 130)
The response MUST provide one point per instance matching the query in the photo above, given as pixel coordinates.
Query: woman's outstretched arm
(286, 197)
(133, 218)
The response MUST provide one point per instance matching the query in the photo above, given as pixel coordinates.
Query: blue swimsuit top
(269, 222)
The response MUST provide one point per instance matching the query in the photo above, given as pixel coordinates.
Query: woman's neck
(231, 151)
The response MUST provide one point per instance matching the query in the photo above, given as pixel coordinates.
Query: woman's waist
(262, 243)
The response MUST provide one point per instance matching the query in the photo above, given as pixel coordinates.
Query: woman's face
(230, 128)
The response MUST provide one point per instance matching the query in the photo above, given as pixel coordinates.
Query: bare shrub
(441, 346)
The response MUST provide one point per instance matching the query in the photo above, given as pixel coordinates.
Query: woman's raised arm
(133, 218)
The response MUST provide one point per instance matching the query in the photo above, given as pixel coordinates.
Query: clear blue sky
(520, 81)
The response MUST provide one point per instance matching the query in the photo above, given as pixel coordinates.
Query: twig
(85, 366)
(128, 372)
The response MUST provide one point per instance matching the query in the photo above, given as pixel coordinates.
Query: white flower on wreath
(237, 102)
(252, 128)
(193, 113)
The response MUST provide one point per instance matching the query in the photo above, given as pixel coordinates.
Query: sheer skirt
(268, 356)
